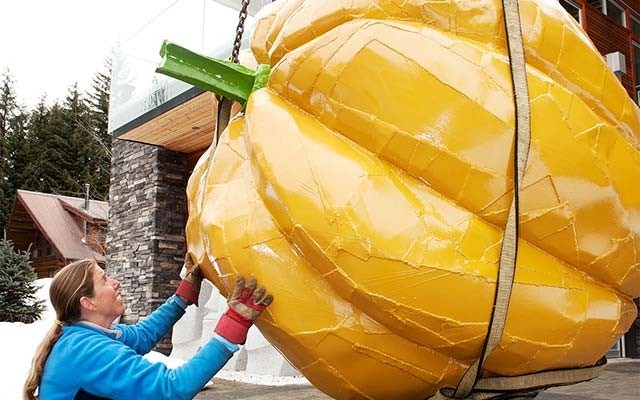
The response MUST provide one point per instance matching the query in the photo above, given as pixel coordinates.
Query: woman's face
(106, 295)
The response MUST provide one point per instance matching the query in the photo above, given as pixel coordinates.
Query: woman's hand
(246, 303)
(189, 288)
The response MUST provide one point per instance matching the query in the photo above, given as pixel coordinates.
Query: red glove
(245, 306)
(189, 288)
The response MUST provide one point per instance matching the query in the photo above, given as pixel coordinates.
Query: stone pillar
(147, 216)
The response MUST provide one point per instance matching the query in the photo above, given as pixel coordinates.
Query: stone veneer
(147, 216)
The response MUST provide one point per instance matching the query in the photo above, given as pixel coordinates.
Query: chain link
(239, 31)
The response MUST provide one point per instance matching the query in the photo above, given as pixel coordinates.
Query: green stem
(225, 78)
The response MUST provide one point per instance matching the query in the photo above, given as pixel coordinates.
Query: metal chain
(223, 114)
(239, 31)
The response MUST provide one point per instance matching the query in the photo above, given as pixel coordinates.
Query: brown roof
(51, 214)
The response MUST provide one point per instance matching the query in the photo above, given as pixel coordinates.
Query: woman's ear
(87, 303)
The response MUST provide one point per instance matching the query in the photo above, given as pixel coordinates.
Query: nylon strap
(524, 386)
(471, 386)
(509, 251)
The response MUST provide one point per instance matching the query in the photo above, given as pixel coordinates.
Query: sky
(48, 45)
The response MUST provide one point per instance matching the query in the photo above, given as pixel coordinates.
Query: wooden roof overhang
(185, 124)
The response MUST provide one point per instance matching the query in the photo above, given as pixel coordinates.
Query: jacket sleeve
(115, 371)
(144, 335)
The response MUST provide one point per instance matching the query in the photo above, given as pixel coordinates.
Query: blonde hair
(67, 287)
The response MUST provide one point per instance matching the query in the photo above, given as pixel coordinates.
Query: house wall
(609, 36)
(25, 236)
(96, 234)
(96, 237)
(145, 239)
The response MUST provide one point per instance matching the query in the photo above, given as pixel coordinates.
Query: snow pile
(18, 346)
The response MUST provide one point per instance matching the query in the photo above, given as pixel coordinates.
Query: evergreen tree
(98, 100)
(8, 111)
(48, 152)
(8, 102)
(33, 150)
(55, 149)
(80, 146)
(58, 171)
(17, 287)
(19, 149)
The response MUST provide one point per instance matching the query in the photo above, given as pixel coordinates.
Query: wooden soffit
(187, 128)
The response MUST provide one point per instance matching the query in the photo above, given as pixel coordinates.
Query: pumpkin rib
(335, 14)
(261, 105)
(245, 182)
(301, 97)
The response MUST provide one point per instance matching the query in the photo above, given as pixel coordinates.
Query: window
(612, 9)
(599, 4)
(635, 25)
(573, 9)
(636, 69)
(615, 12)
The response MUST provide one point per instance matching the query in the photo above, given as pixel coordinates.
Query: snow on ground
(18, 343)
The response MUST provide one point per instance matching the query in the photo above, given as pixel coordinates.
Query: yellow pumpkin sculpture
(368, 185)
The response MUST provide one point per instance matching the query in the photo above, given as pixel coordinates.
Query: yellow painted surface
(368, 186)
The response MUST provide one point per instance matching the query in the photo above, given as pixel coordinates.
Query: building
(614, 27)
(162, 126)
(57, 230)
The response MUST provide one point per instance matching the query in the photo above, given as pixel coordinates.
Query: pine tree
(19, 149)
(58, 171)
(58, 148)
(79, 144)
(98, 101)
(18, 301)
(34, 150)
(8, 111)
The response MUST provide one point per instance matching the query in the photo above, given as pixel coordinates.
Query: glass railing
(205, 26)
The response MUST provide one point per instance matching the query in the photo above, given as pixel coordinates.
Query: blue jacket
(108, 363)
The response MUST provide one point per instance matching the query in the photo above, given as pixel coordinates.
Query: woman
(84, 357)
